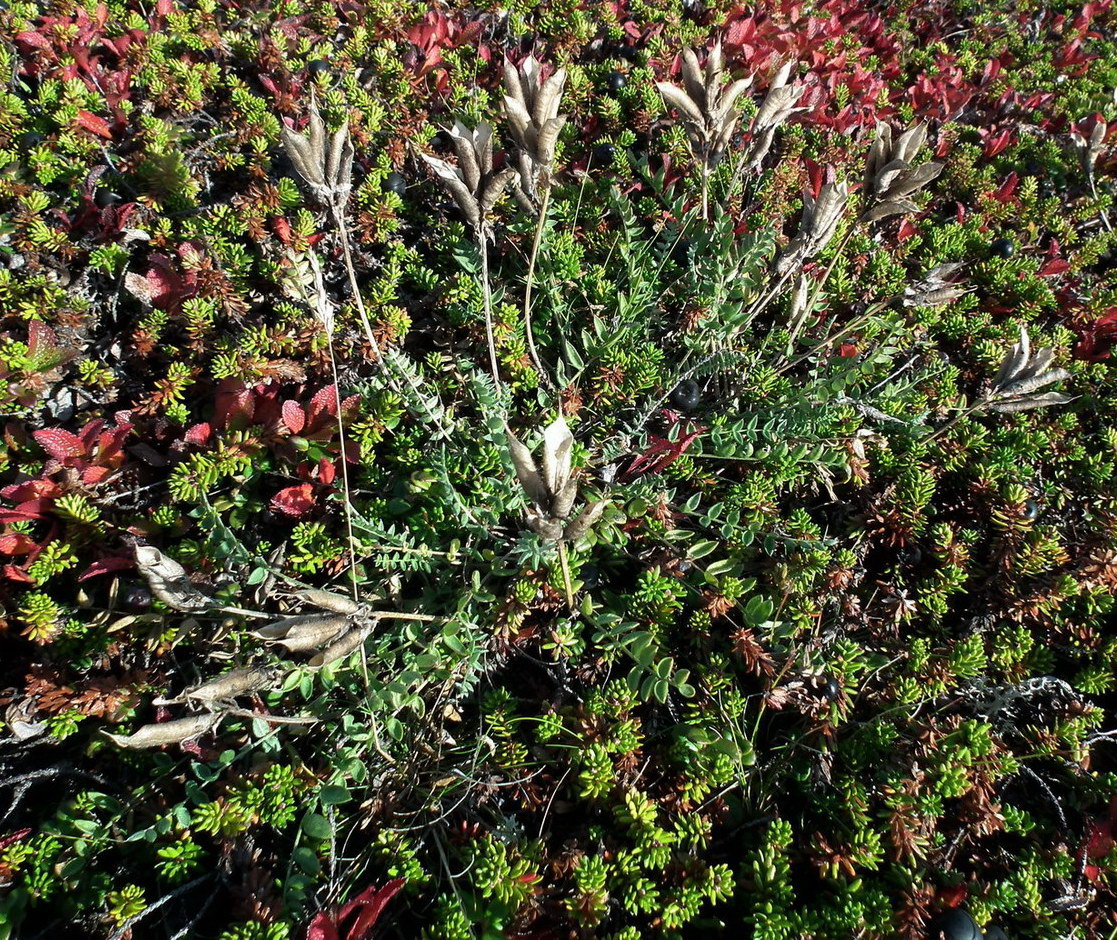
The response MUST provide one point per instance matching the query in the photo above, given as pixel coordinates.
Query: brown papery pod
(166, 732)
(327, 600)
(342, 646)
(300, 625)
(234, 683)
(308, 636)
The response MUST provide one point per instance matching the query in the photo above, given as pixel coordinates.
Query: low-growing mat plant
(428, 514)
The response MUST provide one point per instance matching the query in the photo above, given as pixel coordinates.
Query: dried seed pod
(342, 646)
(473, 185)
(584, 521)
(168, 580)
(534, 123)
(1022, 373)
(563, 500)
(325, 163)
(819, 223)
(234, 683)
(706, 106)
(558, 443)
(327, 600)
(526, 473)
(779, 104)
(304, 632)
(167, 732)
(933, 288)
(889, 175)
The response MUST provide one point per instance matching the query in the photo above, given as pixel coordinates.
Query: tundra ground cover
(723, 469)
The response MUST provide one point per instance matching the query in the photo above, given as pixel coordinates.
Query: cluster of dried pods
(339, 627)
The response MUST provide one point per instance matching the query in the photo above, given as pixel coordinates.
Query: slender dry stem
(344, 472)
(545, 198)
(486, 289)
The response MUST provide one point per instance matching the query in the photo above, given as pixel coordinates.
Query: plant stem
(834, 337)
(705, 191)
(343, 234)
(963, 413)
(566, 582)
(544, 201)
(482, 249)
(817, 292)
(344, 475)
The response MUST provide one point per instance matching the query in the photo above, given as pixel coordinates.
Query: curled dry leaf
(167, 732)
(168, 580)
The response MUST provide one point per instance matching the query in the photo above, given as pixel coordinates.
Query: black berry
(603, 154)
(680, 254)
(995, 933)
(955, 924)
(686, 395)
(1003, 248)
(105, 198)
(832, 689)
(1031, 509)
(589, 576)
(616, 81)
(137, 597)
(317, 67)
(395, 183)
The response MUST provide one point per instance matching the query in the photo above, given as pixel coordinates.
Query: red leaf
(60, 444)
(327, 472)
(93, 475)
(107, 566)
(1099, 839)
(94, 124)
(294, 501)
(370, 904)
(294, 416)
(14, 837)
(16, 543)
(322, 927)
(15, 573)
(199, 434)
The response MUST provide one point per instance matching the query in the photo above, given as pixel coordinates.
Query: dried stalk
(475, 187)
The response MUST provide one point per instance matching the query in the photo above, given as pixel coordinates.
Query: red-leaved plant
(362, 913)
